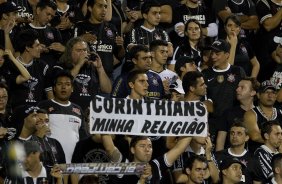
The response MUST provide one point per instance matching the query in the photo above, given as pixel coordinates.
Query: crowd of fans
(57, 55)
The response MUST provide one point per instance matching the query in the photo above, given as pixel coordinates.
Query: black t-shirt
(277, 115)
(222, 85)
(89, 151)
(244, 53)
(47, 36)
(158, 165)
(105, 46)
(250, 172)
(32, 91)
(74, 14)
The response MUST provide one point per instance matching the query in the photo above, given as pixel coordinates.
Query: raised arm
(178, 149)
(111, 149)
(250, 121)
(25, 75)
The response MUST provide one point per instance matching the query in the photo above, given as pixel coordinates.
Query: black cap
(228, 161)
(19, 114)
(220, 45)
(267, 84)
(8, 7)
(31, 147)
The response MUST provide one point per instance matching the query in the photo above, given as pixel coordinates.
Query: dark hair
(276, 161)
(46, 3)
(254, 82)
(132, 76)
(25, 38)
(192, 159)
(195, 21)
(156, 43)
(134, 51)
(148, 5)
(267, 127)
(63, 73)
(66, 58)
(136, 139)
(238, 122)
(190, 79)
(234, 19)
(4, 85)
(90, 3)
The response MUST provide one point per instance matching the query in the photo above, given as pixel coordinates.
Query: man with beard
(263, 112)
(271, 133)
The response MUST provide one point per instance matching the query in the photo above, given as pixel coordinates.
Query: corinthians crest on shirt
(109, 33)
(231, 77)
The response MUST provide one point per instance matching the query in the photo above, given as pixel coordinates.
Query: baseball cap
(277, 39)
(267, 84)
(177, 86)
(8, 7)
(227, 162)
(220, 45)
(19, 114)
(31, 147)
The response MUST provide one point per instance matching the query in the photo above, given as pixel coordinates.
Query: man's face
(79, 51)
(193, 31)
(238, 136)
(44, 16)
(63, 89)
(142, 151)
(35, 50)
(153, 17)
(198, 171)
(143, 62)
(98, 11)
(31, 161)
(275, 136)
(42, 120)
(244, 90)
(30, 121)
(233, 173)
(160, 55)
(201, 88)
(219, 59)
(267, 98)
(3, 99)
(140, 85)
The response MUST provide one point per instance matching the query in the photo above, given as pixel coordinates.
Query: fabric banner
(103, 168)
(147, 117)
